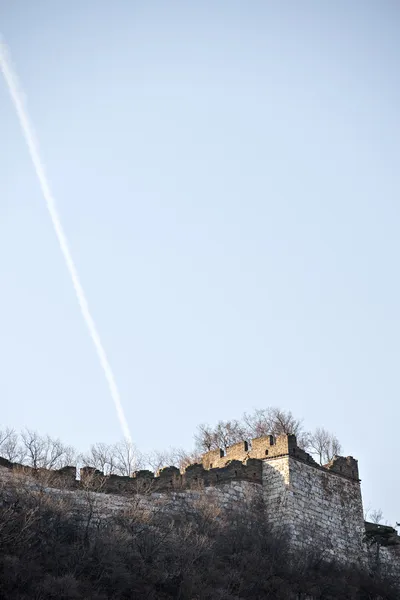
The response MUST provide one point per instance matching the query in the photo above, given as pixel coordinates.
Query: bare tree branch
(9, 445)
(324, 445)
(44, 452)
(126, 458)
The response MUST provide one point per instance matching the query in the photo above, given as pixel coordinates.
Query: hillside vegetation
(57, 545)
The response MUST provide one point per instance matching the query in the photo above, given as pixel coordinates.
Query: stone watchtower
(320, 507)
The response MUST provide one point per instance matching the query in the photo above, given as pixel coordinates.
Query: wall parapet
(168, 479)
(171, 478)
(269, 447)
(64, 477)
(241, 461)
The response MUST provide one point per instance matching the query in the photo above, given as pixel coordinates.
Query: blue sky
(228, 176)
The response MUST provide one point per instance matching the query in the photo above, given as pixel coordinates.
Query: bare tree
(324, 445)
(127, 459)
(229, 432)
(57, 454)
(205, 438)
(174, 457)
(5, 434)
(182, 459)
(376, 516)
(157, 459)
(34, 448)
(90, 516)
(9, 445)
(44, 452)
(224, 434)
(271, 421)
(101, 457)
(113, 459)
(266, 421)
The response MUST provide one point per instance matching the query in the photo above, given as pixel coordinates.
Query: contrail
(28, 132)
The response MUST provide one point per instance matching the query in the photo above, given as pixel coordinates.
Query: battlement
(171, 478)
(269, 447)
(261, 448)
(344, 466)
(168, 479)
(241, 462)
(65, 477)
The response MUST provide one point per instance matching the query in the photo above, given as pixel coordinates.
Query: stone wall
(259, 448)
(319, 507)
(169, 478)
(322, 510)
(268, 447)
(383, 550)
(65, 477)
(386, 560)
(242, 461)
(231, 492)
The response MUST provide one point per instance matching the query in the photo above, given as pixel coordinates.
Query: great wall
(319, 507)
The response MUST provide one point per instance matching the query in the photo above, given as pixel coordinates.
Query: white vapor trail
(27, 129)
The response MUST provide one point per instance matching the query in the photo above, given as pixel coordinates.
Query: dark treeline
(60, 545)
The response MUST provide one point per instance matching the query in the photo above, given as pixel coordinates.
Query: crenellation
(346, 466)
(237, 451)
(144, 474)
(268, 447)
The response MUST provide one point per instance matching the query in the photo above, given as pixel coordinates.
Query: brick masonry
(320, 509)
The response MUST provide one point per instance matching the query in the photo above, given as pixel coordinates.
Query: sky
(227, 174)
